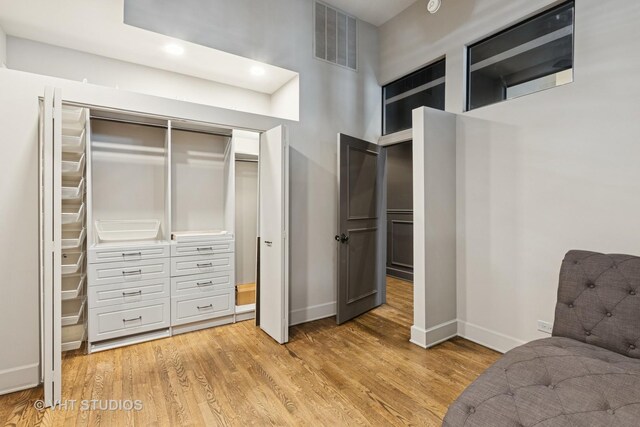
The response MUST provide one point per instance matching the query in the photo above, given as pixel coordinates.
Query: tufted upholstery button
(472, 410)
(570, 305)
(587, 333)
(576, 262)
(610, 411)
(632, 292)
(551, 386)
(510, 393)
(609, 314)
(591, 285)
(632, 347)
(614, 266)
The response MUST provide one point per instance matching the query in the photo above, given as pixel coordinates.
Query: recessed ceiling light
(257, 70)
(174, 49)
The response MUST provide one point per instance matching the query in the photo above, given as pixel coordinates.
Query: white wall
(40, 58)
(434, 215)
(285, 101)
(332, 100)
(537, 175)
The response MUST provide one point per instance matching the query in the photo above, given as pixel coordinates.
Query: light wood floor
(364, 372)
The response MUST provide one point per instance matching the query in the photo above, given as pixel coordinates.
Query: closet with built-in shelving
(139, 215)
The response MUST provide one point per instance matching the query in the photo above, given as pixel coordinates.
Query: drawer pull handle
(209, 283)
(130, 294)
(205, 306)
(124, 254)
(209, 264)
(132, 272)
(132, 320)
(205, 249)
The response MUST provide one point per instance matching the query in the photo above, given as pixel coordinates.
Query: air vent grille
(335, 38)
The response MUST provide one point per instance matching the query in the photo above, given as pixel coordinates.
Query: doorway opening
(375, 217)
(399, 182)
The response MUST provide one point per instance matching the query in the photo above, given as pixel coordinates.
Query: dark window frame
(442, 59)
(535, 15)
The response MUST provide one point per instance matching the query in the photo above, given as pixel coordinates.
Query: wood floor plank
(364, 372)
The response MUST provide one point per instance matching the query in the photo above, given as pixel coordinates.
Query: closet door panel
(127, 272)
(182, 266)
(123, 293)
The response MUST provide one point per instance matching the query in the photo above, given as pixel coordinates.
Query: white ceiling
(96, 26)
(376, 12)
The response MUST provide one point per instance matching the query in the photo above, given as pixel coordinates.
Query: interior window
(533, 55)
(424, 87)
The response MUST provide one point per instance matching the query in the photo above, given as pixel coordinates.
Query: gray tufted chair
(586, 374)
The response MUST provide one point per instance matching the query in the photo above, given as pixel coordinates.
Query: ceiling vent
(335, 37)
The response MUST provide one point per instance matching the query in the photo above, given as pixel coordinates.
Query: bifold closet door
(51, 234)
(274, 235)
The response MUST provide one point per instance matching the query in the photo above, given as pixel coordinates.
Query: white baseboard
(488, 338)
(426, 338)
(20, 378)
(314, 312)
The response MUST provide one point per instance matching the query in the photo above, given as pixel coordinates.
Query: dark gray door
(362, 221)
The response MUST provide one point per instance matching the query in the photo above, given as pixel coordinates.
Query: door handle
(130, 294)
(124, 255)
(209, 283)
(268, 242)
(343, 238)
(132, 272)
(209, 264)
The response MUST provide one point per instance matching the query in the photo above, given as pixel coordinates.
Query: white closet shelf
(127, 230)
(73, 140)
(245, 308)
(73, 239)
(73, 336)
(72, 310)
(72, 285)
(72, 189)
(72, 164)
(73, 117)
(72, 213)
(72, 262)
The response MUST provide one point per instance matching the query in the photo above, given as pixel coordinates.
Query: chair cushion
(599, 301)
(555, 381)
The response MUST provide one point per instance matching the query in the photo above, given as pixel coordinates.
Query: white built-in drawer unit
(202, 248)
(201, 283)
(194, 308)
(127, 319)
(197, 264)
(128, 253)
(128, 272)
(122, 293)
